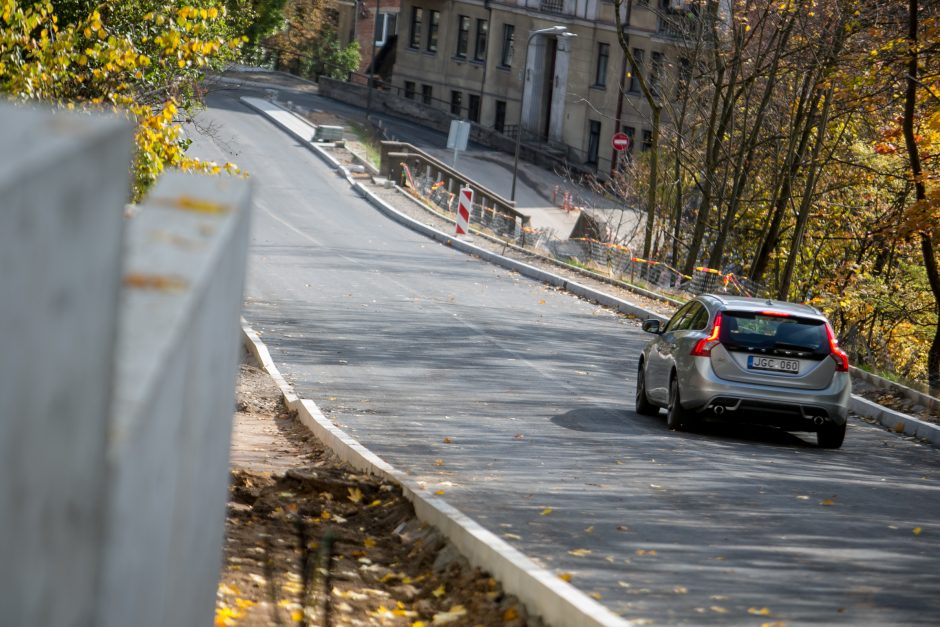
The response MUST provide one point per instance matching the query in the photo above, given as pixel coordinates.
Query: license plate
(773, 363)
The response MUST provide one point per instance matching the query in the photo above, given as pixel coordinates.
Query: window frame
(417, 18)
(456, 102)
(434, 25)
(594, 142)
(508, 50)
(635, 70)
(601, 65)
(474, 106)
(463, 36)
(482, 38)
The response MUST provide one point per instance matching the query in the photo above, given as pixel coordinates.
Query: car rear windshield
(747, 330)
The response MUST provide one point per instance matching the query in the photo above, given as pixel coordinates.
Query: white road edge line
(556, 602)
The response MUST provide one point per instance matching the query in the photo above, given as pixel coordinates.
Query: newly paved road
(516, 401)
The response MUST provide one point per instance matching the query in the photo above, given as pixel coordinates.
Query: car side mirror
(652, 326)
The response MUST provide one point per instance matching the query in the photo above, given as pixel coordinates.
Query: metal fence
(620, 262)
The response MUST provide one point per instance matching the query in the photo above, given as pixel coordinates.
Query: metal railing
(407, 165)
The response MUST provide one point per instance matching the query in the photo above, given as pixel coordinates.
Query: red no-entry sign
(620, 141)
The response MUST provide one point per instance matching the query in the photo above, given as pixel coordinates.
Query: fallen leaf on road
(443, 618)
(438, 462)
(564, 576)
(439, 492)
(510, 614)
(802, 497)
(546, 511)
(646, 551)
(448, 441)
(518, 436)
(764, 611)
(512, 536)
(827, 502)
(589, 529)
(579, 552)
(541, 301)
(355, 495)
(680, 590)
(718, 609)
(596, 596)
(776, 623)
(917, 531)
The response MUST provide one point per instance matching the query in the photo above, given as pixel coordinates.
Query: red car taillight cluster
(703, 348)
(838, 355)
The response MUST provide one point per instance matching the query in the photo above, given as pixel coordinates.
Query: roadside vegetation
(802, 152)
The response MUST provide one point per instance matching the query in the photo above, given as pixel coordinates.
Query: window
(676, 320)
(647, 140)
(600, 71)
(479, 51)
(463, 35)
(594, 142)
(456, 100)
(630, 132)
(656, 72)
(635, 71)
(410, 90)
(684, 78)
(417, 14)
(386, 25)
(433, 24)
(499, 122)
(426, 94)
(473, 109)
(509, 36)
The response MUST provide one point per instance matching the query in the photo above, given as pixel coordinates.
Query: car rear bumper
(702, 390)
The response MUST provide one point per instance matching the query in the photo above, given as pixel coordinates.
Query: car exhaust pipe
(818, 420)
(718, 409)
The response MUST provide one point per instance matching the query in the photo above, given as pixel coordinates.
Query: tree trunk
(920, 191)
(807, 200)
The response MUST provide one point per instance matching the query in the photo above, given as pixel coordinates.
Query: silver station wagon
(746, 359)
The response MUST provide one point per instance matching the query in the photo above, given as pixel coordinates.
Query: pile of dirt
(310, 541)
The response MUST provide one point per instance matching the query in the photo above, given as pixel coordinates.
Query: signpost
(620, 142)
(458, 137)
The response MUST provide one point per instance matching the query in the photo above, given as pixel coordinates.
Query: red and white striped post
(463, 211)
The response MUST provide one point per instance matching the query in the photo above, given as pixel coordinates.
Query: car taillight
(838, 355)
(703, 348)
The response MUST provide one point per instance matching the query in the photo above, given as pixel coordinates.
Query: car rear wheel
(643, 404)
(830, 435)
(677, 418)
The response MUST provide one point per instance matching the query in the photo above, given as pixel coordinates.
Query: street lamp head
(558, 29)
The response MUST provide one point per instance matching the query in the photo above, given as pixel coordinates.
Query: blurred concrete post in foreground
(63, 184)
(120, 349)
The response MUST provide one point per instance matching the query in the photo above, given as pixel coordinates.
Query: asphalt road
(516, 402)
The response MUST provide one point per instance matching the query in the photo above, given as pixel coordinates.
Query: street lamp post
(551, 30)
(371, 82)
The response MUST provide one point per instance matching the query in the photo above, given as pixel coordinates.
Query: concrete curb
(896, 421)
(304, 141)
(859, 405)
(554, 601)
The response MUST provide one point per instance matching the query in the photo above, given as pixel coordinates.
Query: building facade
(480, 60)
(370, 23)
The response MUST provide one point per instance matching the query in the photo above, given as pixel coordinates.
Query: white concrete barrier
(64, 180)
(177, 357)
(116, 378)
